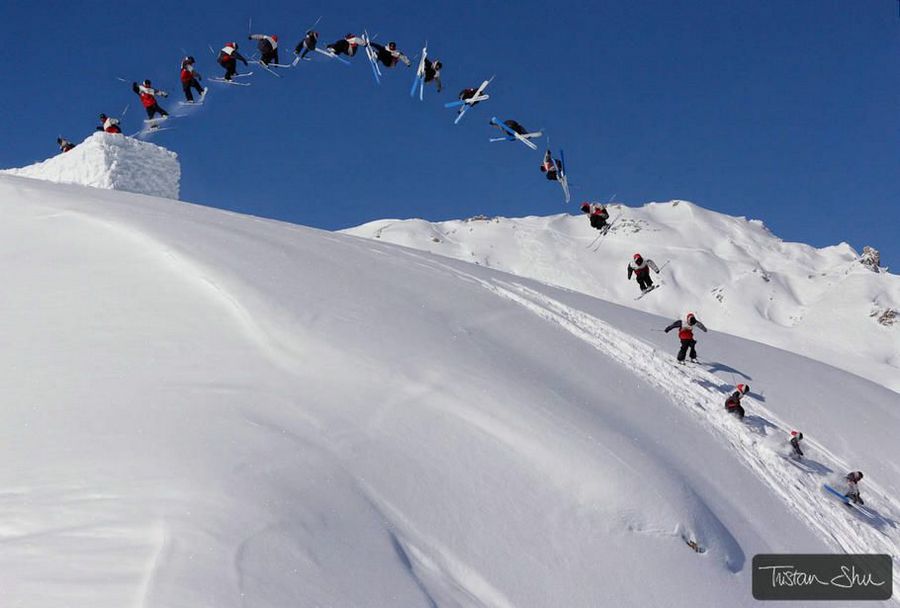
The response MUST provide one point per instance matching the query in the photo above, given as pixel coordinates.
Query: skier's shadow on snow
(810, 466)
(758, 425)
(714, 366)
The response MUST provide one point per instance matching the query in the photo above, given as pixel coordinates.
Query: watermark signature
(822, 577)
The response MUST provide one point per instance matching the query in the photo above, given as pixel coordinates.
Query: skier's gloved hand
(250, 37)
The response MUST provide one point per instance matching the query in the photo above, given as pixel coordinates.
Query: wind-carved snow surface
(737, 276)
(113, 162)
(211, 410)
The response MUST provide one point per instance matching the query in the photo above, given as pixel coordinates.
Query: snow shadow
(403, 556)
(758, 425)
(875, 519)
(714, 366)
(810, 466)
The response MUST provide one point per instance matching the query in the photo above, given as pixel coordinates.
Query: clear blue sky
(783, 111)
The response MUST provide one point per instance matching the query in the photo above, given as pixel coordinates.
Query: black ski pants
(154, 109)
(737, 410)
(230, 66)
(686, 345)
(598, 222)
(644, 281)
(191, 84)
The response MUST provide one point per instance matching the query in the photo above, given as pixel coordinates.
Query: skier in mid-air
(733, 402)
(190, 79)
(110, 125)
(853, 478)
(309, 42)
(148, 98)
(598, 215)
(228, 58)
(346, 45)
(641, 268)
(64, 144)
(388, 55)
(796, 438)
(512, 125)
(550, 167)
(433, 73)
(268, 47)
(686, 335)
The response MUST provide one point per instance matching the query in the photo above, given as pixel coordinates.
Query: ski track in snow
(759, 442)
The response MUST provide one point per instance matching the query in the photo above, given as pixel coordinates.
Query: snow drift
(211, 410)
(113, 162)
(822, 303)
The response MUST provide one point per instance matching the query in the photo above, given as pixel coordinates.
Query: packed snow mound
(113, 162)
(733, 272)
(211, 410)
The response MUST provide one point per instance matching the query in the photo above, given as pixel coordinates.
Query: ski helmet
(796, 435)
(437, 65)
(691, 319)
(275, 37)
(146, 83)
(743, 388)
(859, 473)
(102, 116)
(392, 46)
(637, 256)
(586, 207)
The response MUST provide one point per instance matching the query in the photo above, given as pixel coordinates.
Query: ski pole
(666, 263)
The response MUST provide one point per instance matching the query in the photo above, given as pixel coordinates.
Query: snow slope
(208, 409)
(736, 275)
(113, 162)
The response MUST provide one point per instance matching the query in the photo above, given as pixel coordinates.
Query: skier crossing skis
(268, 48)
(389, 55)
(309, 42)
(598, 215)
(469, 98)
(686, 335)
(347, 45)
(514, 131)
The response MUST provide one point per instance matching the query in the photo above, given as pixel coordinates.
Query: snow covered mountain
(213, 410)
(112, 162)
(736, 275)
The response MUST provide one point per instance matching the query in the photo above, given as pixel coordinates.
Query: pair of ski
(233, 81)
(327, 53)
(595, 244)
(465, 104)
(372, 56)
(199, 102)
(525, 138)
(419, 79)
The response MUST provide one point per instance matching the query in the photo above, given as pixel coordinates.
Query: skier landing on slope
(796, 438)
(148, 98)
(389, 55)
(686, 335)
(550, 167)
(598, 215)
(641, 269)
(268, 47)
(733, 402)
(853, 478)
(228, 58)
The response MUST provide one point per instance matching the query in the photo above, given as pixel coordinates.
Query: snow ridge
(112, 162)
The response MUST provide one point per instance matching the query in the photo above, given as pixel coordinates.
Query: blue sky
(782, 111)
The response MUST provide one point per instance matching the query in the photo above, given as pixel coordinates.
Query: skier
(148, 98)
(796, 438)
(268, 47)
(190, 79)
(598, 215)
(733, 403)
(307, 44)
(852, 479)
(346, 45)
(686, 335)
(389, 55)
(64, 144)
(641, 269)
(228, 58)
(550, 167)
(513, 126)
(433, 73)
(110, 125)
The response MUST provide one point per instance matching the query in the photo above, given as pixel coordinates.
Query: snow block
(113, 162)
